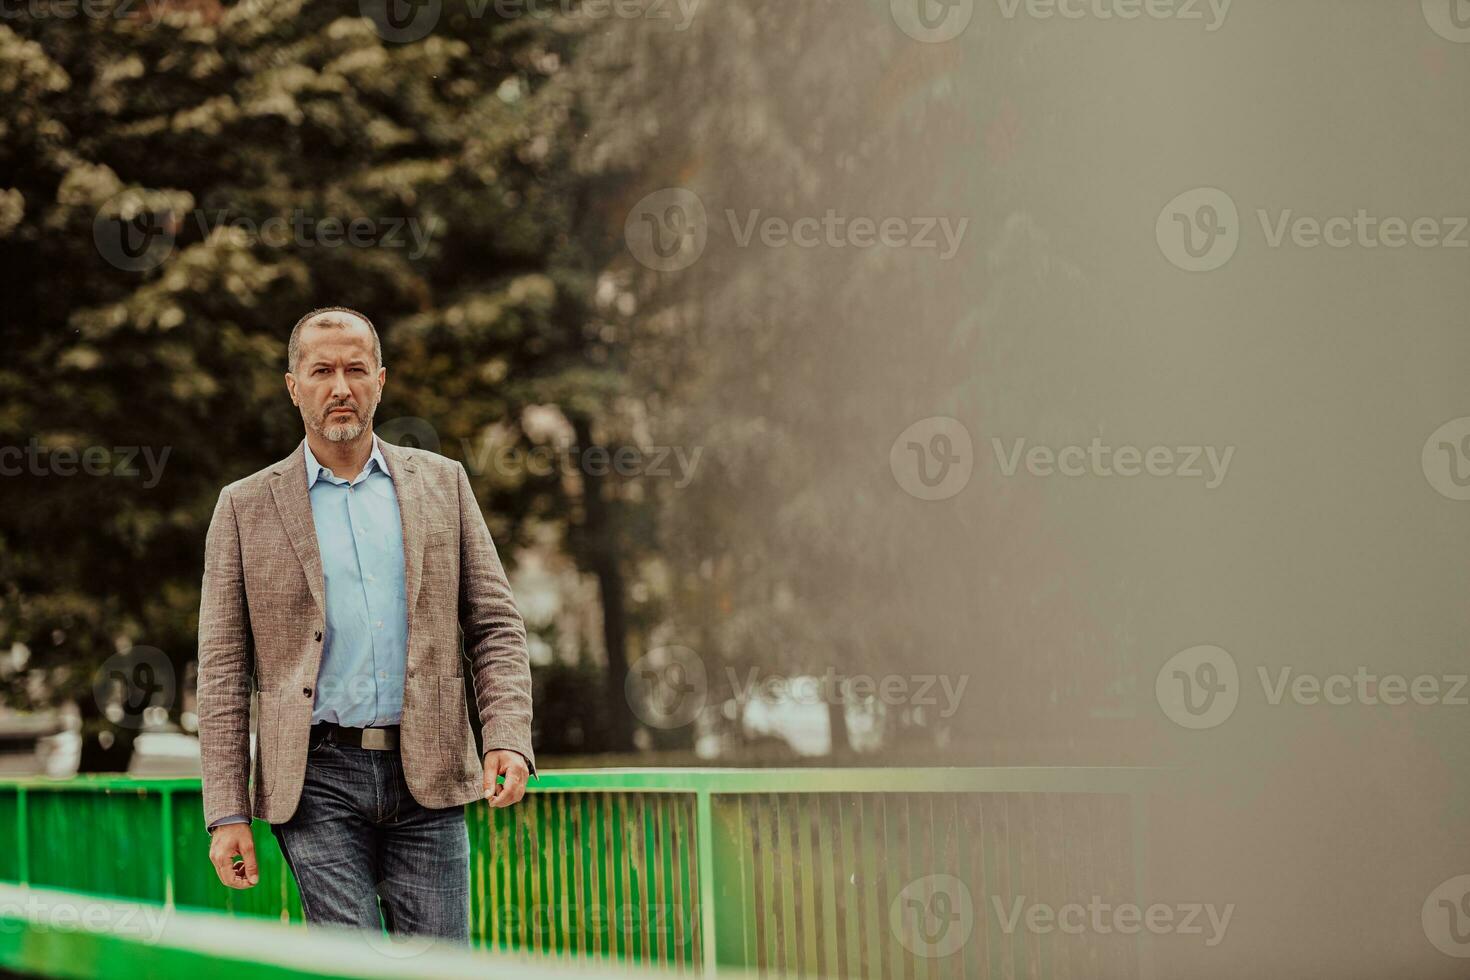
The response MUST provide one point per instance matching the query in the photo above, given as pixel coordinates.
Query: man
(339, 579)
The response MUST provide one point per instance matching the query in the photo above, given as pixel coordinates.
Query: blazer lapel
(288, 486)
(406, 486)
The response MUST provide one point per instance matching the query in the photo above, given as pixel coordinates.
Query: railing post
(23, 835)
(168, 847)
(704, 818)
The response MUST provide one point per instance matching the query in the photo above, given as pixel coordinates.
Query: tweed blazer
(262, 615)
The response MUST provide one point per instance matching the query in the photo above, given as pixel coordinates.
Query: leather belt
(380, 739)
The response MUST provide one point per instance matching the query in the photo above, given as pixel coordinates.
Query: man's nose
(340, 388)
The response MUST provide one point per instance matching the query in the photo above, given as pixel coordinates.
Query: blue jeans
(358, 838)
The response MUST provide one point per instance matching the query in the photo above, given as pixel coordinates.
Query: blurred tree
(795, 550)
(168, 182)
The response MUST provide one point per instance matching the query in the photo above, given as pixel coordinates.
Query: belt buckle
(375, 738)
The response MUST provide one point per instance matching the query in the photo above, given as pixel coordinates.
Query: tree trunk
(94, 756)
(837, 719)
(605, 562)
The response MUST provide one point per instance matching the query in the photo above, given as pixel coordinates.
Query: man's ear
(291, 387)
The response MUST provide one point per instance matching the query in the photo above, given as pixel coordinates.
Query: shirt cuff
(232, 818)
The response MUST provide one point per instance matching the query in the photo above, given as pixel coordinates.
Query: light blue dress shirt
(365, 649)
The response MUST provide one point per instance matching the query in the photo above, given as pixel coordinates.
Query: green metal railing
(53, 933)
(815, 872)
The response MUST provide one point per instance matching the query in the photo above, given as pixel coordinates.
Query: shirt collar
(314, 469)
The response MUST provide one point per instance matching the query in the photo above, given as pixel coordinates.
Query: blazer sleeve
(224, 670)
(495, 634)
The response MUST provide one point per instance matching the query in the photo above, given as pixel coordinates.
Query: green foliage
(199, 126)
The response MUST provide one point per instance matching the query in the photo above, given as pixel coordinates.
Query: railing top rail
(958, 779)
(52, 932)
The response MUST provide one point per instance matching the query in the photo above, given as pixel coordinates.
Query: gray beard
(341, 431)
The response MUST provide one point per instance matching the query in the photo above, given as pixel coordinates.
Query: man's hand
(227, 841)
(513, 765)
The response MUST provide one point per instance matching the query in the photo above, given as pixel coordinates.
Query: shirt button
(380, 624)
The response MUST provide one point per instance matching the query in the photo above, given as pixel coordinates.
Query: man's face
(336, 383)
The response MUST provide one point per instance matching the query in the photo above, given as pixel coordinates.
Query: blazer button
(319, 636)
(306, 691)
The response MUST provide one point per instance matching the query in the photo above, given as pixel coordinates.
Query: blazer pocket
(454, 734)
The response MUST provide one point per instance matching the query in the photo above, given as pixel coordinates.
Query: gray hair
(293, 346)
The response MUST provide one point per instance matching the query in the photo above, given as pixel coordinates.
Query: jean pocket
(316, 741)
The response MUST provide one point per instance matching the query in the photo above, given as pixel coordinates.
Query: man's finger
(223, 866)
(252, 872)
(511, 790)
